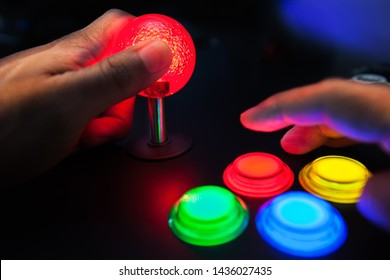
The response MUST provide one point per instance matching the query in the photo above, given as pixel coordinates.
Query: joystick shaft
(157, 121)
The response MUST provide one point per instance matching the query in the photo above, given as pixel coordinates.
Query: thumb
(374, 204)
(117, 77)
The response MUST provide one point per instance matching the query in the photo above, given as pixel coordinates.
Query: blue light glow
(301, 224)
(287, 212)
(358, 26)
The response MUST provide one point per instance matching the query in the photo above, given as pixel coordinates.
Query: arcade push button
(335, 178)
(208, 215)
(301, 224)
(258, 175)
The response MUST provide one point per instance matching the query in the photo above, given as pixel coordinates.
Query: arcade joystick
(160, 145)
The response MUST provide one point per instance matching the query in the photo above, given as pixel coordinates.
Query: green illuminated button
(335, 178)
(208, 215)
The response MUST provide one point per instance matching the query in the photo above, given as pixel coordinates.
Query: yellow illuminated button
(335, 178)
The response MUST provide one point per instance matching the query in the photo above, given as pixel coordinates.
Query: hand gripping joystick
(156, 26)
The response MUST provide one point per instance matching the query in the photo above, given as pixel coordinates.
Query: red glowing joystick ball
(156, 26)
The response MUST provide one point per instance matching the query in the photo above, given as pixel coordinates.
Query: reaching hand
(334, 112)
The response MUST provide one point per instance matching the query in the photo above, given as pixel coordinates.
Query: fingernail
(260, 118)
(156, 55)
(245, 114)
(249, 115)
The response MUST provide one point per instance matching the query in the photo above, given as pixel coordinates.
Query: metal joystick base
(175, 146)
(159, 146)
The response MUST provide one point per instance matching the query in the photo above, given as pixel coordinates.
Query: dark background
(105, 204)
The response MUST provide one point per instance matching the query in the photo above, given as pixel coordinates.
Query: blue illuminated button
(301, 224)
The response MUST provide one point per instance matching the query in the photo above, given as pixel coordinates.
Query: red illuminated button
(258, 175)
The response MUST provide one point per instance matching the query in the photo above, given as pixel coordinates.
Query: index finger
(356, 110)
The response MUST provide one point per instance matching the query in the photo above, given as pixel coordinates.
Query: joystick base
(176, 145)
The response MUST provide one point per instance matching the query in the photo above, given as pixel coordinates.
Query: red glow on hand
(112, 125)
(156, 26)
